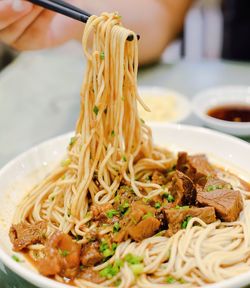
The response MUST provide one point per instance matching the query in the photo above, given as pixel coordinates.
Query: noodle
(111, 146)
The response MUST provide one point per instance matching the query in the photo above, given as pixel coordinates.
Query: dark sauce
(233, 113)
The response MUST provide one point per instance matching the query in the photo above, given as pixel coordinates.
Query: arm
(157, 21)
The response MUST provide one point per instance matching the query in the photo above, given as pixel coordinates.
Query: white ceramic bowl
(17, 177)
(218, 96)
(166, 105)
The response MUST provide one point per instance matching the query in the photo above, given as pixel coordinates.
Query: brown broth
(233, 113)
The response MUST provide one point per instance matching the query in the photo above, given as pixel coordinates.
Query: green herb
(72, 140)
(181, 207)
(132, 259)
(149, 214)
(137, 268)
(95, 110)
(63, 253)
(116, 227)
(214, 187)
(112, 133)
(16, 258)
(102, 56)
(103, 246)
(157, 205)
(114, 246)
(110, 213)
(111, 270)
(170, 279)
(185, 222)
(124, 207)
(107, 253)
(66, 162)
(124, 159)
(81, 267)
(169, 197)
(142, 121)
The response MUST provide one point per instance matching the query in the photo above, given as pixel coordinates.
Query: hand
(25, 26)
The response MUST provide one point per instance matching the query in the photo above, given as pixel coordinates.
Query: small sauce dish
(226, 109)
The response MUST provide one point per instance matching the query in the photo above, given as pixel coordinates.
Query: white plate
(224, 95)
(17, 177)
(166, 105)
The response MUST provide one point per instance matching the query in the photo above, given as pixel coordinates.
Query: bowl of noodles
(21, 174)
(121, 203)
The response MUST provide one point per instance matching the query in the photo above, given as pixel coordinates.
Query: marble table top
(39, 99)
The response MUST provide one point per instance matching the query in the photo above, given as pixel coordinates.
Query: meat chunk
(176, 217)
(99, 211)
(227, 203)
(90, 254)
(24, 234)
(131, 220)
(182, 189)
(159, 178)
(195, 167)
(125, 195)
(91, 275)
(214, 183)
(62, 256)
(144, 229)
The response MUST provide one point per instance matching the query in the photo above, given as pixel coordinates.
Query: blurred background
(201, 37)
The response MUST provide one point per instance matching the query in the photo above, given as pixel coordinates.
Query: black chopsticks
(64, 8)
(69, 10)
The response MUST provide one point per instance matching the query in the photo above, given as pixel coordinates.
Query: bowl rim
(35, 278)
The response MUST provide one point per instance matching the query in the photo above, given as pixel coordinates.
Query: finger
(39, 30)
(10, 34)
(8, 13)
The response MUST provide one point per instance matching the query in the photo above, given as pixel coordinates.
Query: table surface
(39, 99)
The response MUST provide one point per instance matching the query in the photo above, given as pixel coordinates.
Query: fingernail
(19, 6)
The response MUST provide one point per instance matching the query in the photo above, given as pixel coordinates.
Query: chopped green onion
(169, 197)
(16, 258)
(133, 259)
(108, 252)
(214, 187)
(63, 253)
(102, 55)
(116, 227)
(114, 246)
(149, 214)
(103, 246)
(66, 162)
(111, 270)
(137, 268)
(112, 133)
(142, 121)
(170, 279)
(72, 140)
(124, 159)
(124, 207)
(185, 222)
(110, 213)
(95, 110)
(157, 205)
(181, 207)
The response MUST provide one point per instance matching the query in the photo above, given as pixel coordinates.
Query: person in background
(28, 27)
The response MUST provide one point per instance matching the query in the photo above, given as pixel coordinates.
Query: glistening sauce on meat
(233, 113)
